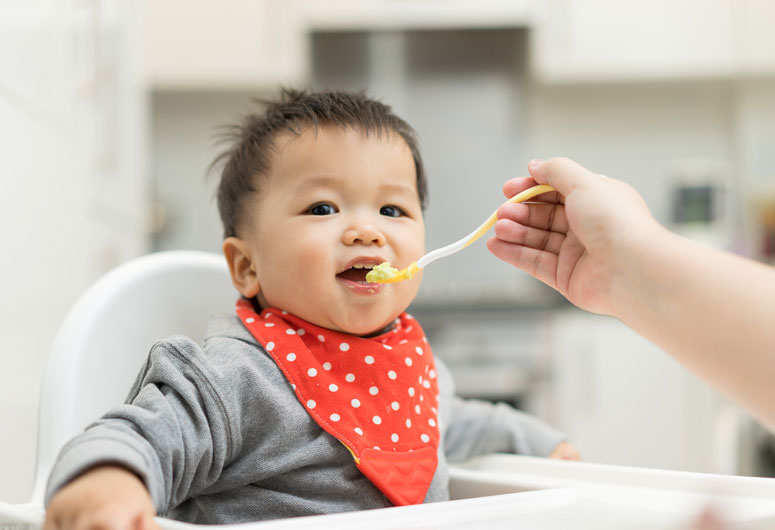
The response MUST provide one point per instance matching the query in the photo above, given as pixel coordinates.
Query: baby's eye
(322, 208)
(391, 211)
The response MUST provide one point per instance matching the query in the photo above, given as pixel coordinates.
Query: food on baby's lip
(381, 273)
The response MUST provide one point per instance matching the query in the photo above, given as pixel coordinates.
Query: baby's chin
(363, 326)
(365, 320)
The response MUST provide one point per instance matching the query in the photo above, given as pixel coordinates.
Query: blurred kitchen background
(108, 118)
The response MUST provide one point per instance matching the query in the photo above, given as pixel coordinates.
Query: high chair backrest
(106, 337)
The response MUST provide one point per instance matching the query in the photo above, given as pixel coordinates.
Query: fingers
(114, 518)
(518, 184)
(528, 236)
(103, 498)
(536, 215)
(515, 185)
(563, 174)
(540, 264)
(565, 451)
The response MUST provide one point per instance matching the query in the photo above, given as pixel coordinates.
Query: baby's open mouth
(356, 273)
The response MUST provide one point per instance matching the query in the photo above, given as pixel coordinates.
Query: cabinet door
(757, 36)
(624, 401)
(221, 43)
(580, 40)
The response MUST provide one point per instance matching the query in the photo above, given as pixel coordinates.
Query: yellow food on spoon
(382, 273)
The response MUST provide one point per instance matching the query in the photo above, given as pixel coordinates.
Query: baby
(319, 394)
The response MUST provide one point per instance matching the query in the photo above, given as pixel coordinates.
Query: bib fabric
(378, 396)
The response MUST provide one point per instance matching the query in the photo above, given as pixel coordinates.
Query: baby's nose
(366, 234)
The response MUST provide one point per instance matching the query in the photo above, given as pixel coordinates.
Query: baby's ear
(243, 272)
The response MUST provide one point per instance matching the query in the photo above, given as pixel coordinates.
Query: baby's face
(334, 201)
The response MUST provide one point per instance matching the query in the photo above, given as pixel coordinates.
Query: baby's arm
(106, 497)
(174, 435)
(479, 428)
(472, 427)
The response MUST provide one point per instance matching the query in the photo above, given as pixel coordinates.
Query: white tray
(506, 492)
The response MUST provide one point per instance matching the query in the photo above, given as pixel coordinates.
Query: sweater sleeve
(480, 427)
(475, 428)
(174, 431)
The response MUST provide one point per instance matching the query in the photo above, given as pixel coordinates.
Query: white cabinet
(610, 40)
(373, 15)
(757, 38)
(221, 44)
(624, 401)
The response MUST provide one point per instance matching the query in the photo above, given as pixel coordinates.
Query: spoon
(384, 273)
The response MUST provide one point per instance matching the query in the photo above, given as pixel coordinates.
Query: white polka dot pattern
(367, 393)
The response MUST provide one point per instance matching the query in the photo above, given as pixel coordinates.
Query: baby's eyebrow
(333, 182)
(400, 189)
(319, 181)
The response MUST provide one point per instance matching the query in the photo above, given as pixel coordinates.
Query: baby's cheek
(408, 289)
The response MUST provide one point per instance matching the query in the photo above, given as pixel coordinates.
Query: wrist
(640, 269)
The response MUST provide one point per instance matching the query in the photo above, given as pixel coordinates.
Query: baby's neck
(258, 308)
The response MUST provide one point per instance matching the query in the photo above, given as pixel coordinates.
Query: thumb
(563, 174)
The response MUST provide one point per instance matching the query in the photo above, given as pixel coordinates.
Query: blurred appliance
(705, 201)
(493, 354)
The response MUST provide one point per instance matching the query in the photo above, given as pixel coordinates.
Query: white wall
(73, 190)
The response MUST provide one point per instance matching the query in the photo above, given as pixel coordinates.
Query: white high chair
(108, 333)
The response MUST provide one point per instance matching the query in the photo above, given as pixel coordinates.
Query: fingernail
(534, 166)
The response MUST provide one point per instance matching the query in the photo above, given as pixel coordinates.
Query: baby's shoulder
(228, 363)
(227, 350)
(236, 357)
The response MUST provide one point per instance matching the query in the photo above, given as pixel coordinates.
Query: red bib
(378, 396)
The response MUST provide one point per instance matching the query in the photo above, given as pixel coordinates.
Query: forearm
(713, 311)
(478, 428)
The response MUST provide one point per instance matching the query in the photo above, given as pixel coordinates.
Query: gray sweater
(218, 436)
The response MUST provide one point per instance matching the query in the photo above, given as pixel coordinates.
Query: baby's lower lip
(364, 288)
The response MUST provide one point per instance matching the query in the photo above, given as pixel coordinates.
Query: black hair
(251, 141)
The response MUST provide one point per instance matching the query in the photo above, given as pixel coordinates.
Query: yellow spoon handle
(459, 245)
(519, 197)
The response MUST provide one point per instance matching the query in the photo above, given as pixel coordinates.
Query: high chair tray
(507, 491)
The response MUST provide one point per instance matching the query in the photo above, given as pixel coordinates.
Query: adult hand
(577, 239)
(595, 241)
